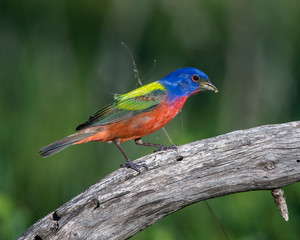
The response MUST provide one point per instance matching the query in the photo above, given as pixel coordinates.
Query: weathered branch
(124, 202)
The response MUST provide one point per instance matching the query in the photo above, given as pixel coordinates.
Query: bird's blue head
(185, 82)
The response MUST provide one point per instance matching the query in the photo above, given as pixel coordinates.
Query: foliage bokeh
(60, 61)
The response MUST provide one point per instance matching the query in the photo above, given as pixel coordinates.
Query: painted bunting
(138, 113)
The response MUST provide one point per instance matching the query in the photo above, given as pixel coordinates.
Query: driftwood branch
(124, 202)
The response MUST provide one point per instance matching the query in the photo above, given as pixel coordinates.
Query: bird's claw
(164, 148)
(134, 166)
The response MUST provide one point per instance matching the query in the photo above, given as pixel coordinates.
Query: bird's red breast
(137, 126)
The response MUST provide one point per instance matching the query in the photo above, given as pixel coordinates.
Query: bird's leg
(138, 141)
(129, 163)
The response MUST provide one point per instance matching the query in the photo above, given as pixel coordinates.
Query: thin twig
(135, 70)
(216, 220)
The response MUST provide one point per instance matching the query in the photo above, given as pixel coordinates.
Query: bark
(125, 202)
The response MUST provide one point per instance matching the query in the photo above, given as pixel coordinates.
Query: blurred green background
(60, 61)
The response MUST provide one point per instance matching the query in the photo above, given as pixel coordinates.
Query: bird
(138, 113)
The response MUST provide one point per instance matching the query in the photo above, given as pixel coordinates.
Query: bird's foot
(164, 148)
(134, 166)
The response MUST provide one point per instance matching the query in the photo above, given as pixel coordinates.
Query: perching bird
(138, 113)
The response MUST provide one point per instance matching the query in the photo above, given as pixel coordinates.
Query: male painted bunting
(138, 113)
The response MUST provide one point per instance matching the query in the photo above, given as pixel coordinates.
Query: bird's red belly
(138, 126)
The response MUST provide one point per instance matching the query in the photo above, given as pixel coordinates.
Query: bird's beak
(208, 86)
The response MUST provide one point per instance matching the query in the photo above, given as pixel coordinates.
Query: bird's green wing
(125, 106)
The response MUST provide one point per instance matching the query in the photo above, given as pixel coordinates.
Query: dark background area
(60, 61)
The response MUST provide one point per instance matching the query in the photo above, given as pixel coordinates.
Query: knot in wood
(96, 203)
(270, 165)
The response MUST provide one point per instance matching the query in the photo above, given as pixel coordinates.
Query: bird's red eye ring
(196, 78)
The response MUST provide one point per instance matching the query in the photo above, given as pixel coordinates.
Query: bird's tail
(63, 143)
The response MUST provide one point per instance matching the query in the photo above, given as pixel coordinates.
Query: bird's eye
(196, 78)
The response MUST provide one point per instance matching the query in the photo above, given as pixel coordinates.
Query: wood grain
(124, 202)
